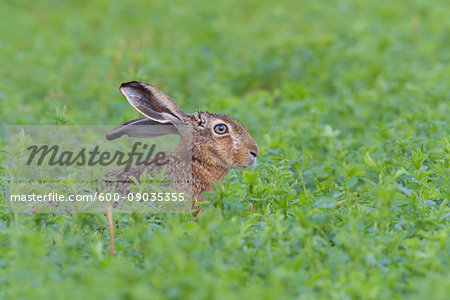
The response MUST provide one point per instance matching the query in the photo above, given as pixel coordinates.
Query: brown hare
(210, 144)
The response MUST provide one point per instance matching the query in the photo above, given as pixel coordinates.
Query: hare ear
(152, 103)
(133, 128)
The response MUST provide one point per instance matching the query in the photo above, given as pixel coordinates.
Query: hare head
(216, 141)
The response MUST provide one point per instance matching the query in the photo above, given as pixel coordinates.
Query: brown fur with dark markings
(203, 155)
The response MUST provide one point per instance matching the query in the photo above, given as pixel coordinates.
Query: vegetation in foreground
(348, 101)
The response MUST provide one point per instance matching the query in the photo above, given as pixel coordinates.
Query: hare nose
(254, 150)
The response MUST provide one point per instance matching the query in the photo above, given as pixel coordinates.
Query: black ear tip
(131, 84)
(112, 136)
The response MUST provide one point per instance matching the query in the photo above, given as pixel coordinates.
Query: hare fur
(210, 144)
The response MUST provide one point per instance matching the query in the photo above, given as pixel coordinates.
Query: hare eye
(220, 129)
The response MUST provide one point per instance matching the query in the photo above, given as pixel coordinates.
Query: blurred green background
(348, 101)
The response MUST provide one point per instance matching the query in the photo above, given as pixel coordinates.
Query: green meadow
(348, 101)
